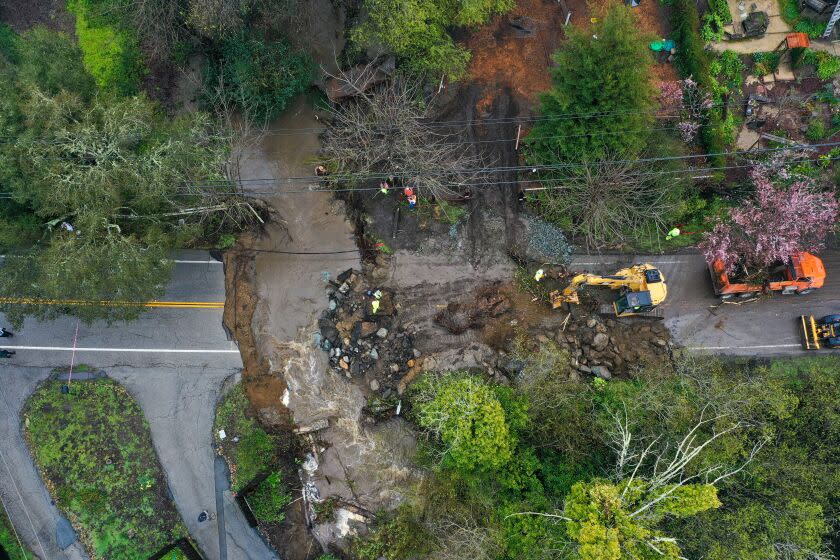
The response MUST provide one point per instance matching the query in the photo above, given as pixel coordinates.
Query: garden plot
(95, 453)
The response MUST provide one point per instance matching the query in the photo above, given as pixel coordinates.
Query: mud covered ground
(283, 281)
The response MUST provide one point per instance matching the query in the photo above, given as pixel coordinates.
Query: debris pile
(365, 340)
(488, 304)
(597, 345)
(606, 347)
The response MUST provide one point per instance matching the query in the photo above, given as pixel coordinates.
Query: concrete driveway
(174, 362)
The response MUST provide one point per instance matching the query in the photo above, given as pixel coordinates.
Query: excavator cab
(633, 302)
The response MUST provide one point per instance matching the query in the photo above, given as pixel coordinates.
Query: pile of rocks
(363, 336)
(603, 347)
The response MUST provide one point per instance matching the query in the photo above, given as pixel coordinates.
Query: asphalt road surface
(174, 362)
(697, 319)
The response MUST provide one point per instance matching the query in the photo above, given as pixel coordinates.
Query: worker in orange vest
(411, 197)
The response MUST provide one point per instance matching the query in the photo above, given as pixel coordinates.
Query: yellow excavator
(642, 288)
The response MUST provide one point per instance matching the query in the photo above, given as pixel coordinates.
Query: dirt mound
(597, 345)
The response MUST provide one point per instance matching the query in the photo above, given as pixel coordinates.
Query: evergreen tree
(601, 102)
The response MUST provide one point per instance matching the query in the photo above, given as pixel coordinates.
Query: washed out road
(174, 362)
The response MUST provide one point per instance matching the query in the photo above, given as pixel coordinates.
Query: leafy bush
(53, 62)
(727, 69)
(691, 59)
(766, 62)
(469, 419)
(827, 64)
(814, 29)
(416, 30)
(790, 11)
(8, 43)
(816, 129)
(259, 76)
(270, 498)
(111, 55)
(712, 29)
(721, 9)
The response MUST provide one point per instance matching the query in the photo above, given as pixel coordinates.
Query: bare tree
(609, 201)
(158, 23)
(665, 468)
(384, 130)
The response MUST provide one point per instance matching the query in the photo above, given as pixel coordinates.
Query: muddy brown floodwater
(276, 286)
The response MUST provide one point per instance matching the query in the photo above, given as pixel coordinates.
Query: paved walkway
(777, 29)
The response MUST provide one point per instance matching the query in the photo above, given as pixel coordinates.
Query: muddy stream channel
(357, 465)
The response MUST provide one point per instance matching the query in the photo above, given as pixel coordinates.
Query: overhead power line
(309, 179)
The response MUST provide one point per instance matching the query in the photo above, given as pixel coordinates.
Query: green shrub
(53, 62)
(691, 59)
(270, 498)
(260, 77)
(721, 9)
(766, 62)
(416, 30)
(111, 55)
(814, 29)
(8, 43)
(727, 69)
(827, 64)
(469, 419)
(816, 129)
(790, 11)
(712, 30)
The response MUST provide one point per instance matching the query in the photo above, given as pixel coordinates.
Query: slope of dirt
(264, 390)
(514, 50)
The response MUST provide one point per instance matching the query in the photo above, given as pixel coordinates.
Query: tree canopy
(101, 188)
(777, 223)
(416, 30)
(601, 101)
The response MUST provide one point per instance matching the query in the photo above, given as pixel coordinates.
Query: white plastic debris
(222, 434)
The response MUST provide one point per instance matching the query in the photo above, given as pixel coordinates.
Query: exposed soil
(514, 50)
(264, 389)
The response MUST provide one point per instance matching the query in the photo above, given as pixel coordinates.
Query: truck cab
(801, 274)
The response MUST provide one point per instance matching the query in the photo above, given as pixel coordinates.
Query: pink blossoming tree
(778, 223)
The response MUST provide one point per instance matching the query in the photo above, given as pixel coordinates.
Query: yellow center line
(162, 304)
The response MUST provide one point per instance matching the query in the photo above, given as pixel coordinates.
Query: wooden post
(518, 132)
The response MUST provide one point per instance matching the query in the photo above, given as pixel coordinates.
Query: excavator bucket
(810, 332)
(558, 299)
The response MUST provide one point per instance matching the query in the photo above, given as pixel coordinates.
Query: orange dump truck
(802, 274)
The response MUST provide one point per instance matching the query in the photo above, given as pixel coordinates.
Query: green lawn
(9, 542)
(95, 451)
